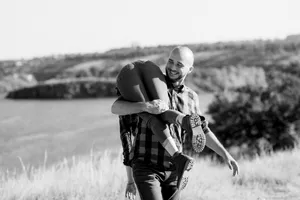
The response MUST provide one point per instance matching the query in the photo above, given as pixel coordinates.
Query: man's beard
(178, 79)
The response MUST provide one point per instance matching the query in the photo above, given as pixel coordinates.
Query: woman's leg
(156, 86)
(132, 88)
(130, 85)
(145, 82)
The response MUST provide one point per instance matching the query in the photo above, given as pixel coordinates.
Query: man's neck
(178, 83)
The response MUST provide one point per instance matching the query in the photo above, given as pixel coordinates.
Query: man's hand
(130, 192)
(232, 164)
(156, 106)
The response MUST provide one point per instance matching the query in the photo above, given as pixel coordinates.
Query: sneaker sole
(189, 165)
(198, 139)
(184, 183)
(184, 180)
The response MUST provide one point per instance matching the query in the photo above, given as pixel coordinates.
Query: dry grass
(269, 177)
(97, 177)
(102, 176)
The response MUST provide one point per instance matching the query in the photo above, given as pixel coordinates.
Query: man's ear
(191, 69)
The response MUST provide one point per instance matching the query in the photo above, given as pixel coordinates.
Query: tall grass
(103, 176)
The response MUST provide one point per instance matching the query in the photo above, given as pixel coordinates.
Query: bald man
(168, 115)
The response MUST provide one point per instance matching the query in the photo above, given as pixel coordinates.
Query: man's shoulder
(191, 93)
(188, 89)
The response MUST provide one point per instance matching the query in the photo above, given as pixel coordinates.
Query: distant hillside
(213, 62)
(295, 37)
(67, 89)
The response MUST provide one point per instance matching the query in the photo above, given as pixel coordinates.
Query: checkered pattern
(128, 127)
(147, 148)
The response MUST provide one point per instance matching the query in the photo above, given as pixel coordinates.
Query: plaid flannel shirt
(144, 146)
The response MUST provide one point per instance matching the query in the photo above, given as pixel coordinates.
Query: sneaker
(183, 183)
(198, 138)
(183, 164)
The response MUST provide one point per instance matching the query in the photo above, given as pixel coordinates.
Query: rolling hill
(215, 64)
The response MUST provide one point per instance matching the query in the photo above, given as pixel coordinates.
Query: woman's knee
(130, 84)
(126, 71)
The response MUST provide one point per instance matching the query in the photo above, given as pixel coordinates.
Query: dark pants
(155, 184)
(144, 81)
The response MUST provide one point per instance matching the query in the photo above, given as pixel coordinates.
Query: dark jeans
(155, 184)
(144, 81)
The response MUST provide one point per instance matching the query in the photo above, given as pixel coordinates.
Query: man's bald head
(184, 54)
(180, 64)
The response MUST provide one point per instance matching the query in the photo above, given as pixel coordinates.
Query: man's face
(178, 67)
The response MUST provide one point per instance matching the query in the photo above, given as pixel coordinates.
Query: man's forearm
(121, 107)
(214, 144)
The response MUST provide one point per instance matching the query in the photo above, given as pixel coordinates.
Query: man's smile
(173, 73)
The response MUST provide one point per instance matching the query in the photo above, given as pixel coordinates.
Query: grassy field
(102, 176)
(63, 150)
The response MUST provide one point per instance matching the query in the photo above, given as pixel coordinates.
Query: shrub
(228, 77)
(284, 83)
(16, 81)
(67, 89)
(255, 119)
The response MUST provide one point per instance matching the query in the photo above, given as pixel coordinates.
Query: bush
(16, 81)
(255, 119)
(228, 77)
(284, 83)
(67, 89)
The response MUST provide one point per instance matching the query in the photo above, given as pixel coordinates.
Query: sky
(33, 28)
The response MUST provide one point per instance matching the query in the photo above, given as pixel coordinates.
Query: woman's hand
(130, 192)
(156, 106)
